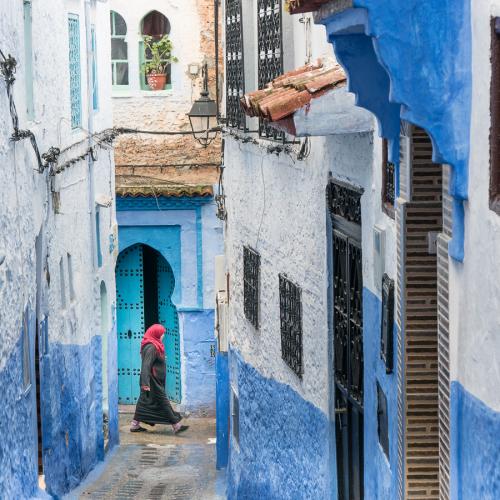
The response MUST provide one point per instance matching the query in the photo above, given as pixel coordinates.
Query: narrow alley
(249, 249)
(157, 465)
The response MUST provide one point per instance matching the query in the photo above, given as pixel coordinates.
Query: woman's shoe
(138, 429)
(179, 428)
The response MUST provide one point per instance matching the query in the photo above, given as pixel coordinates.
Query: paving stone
(158, 465)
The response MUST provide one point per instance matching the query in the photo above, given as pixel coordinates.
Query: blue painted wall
(475, 430)
(428, 62)
(286, 443)
(183, 231)
(71, 411)
(71, 395)
(222, 423)
(18, 437)
(283, 450)
(380, 472)
(199, 365)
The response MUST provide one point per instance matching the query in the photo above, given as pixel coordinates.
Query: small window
(75, 82)
(386, 341)
(28, 59)
(62, 284)
(155, 25)
(388, 181)
(70, 278)
(251, 275)
(95, 81)
(119, 51)
(26, 351)
(291, 324)
(383, 420)
(495, 116)
(235, 414)
(98, 236)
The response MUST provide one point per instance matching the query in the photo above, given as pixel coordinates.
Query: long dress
(153, 407)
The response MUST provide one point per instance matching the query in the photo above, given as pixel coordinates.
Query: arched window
(119, 50)
(156, 25)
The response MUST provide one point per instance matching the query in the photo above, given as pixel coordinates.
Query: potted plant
(159, 56)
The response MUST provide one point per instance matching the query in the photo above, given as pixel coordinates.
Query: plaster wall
(276, 205)
(28, 211)
(474, 288)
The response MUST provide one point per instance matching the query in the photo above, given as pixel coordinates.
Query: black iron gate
(345, 209)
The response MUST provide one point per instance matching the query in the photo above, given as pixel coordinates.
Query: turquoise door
(167, 316)
(130, 322)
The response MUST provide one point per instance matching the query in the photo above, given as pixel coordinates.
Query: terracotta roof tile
(300, 6)
(135, 186)
(294, 90)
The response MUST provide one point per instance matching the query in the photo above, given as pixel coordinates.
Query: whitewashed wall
(277, 206)
(26, 206)
(475, 284)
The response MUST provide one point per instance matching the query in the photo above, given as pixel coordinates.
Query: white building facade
(425, 421)
(285, 225)
(57, 247)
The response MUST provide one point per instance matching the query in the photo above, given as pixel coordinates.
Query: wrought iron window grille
(388, 181)
(270, 53)
(386, 340)
(235, 65)
(291, 324)
(344, 201)
(251, 278)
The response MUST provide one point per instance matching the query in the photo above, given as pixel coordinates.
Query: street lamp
(203, 115)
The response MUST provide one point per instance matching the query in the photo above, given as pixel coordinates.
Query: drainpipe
(90, 128)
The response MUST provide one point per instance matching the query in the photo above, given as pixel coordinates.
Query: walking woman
(153, 406)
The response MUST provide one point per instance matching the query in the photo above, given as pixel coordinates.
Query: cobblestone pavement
(157, 465)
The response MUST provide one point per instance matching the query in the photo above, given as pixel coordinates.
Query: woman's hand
(145, 388)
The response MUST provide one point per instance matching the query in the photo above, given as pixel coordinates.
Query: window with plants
(156, 52)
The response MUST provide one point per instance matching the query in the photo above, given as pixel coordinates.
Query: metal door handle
(129, 333)
(339, 411)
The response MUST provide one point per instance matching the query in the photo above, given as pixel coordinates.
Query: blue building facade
(165, 273)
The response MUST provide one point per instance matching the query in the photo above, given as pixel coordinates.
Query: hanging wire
(49, 160)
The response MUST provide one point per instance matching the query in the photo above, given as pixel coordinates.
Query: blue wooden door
(130, 322)
(167, 315)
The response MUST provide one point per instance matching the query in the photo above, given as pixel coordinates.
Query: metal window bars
(235, 68)
(270, 52)
(291, 324)
(251, 276)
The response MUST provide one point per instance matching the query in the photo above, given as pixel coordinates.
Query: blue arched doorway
(144, 287)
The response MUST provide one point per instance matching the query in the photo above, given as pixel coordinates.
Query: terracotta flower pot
(157, 81)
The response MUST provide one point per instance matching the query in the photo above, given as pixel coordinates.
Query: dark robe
(153, 406)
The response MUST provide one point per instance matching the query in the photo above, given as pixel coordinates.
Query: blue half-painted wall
(283, 449)
(428, 61)
(475, 447)
(186, 232)
(18, 433)
(199, 360)
(286, 445)
(380, 471)
(71, 412)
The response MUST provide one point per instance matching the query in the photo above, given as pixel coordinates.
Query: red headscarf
(153, 336)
